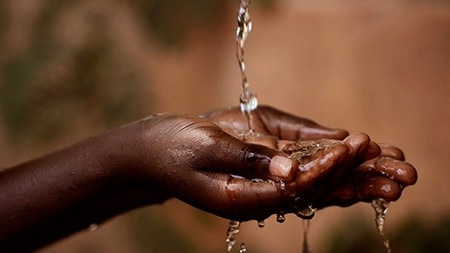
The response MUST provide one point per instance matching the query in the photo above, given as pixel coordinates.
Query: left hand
(352, 170)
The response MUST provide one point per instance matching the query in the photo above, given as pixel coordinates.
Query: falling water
(248, 100)
(381, 206)
(305, 245)
(248, 103)
(242, 248)
(233, 230)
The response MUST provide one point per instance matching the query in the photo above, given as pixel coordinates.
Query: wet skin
(352, 168)
(200, 160)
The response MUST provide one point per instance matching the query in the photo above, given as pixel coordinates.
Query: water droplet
(233, 229)
(280, 217)
(282, 186)
(93, 227)
(249, 104)
(306, 213)
(257, 180)
(242, 248)
(381, 206)
(261, 223)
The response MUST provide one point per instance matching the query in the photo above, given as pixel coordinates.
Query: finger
(400, 171)
(397, 170)
(373, 150)
(374, 187)
(323, 164)
(344, 195)
(361, 147)
(232, 156)
(392, 151)
(363, 188)
(233, 197)
(290, 127)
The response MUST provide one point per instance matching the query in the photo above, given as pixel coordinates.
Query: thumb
(253, 161)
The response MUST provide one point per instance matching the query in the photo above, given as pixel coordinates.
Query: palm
(269, 121)
(353, 171)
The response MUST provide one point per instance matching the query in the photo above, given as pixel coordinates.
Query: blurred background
(72, 69)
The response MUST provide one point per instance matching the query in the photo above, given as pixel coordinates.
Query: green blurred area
(415, 235)
(53, 89)
(51, 80)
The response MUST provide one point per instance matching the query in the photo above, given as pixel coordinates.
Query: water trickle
(305, 246)
(381, 206)
(233, 230)
(248, 100)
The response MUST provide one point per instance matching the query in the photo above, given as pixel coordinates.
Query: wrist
(131, 152)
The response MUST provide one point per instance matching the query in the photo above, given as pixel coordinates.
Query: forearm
(61, 193)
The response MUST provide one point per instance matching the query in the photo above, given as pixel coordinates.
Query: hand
(384, 176)
(273, 123)
(199, 157)
(201, 161)
(360, 169)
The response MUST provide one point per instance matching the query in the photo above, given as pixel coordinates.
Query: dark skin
(200, 160)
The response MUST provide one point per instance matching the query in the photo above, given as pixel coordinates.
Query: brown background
(380, 67)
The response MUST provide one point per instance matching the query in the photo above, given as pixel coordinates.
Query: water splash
(233, 230)
(248, 100)
(242, 248)
(381, 206)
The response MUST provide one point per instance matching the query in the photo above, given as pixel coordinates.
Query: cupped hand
(204, 162)
(310, 174)
(344, 172)
(384, 176)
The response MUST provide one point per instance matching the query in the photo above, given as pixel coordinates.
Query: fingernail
(280, 166)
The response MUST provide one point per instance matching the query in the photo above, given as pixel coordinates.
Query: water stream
(381, 206)
(232, 231)
(248, 103)
(248, 100)
(305, 244)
